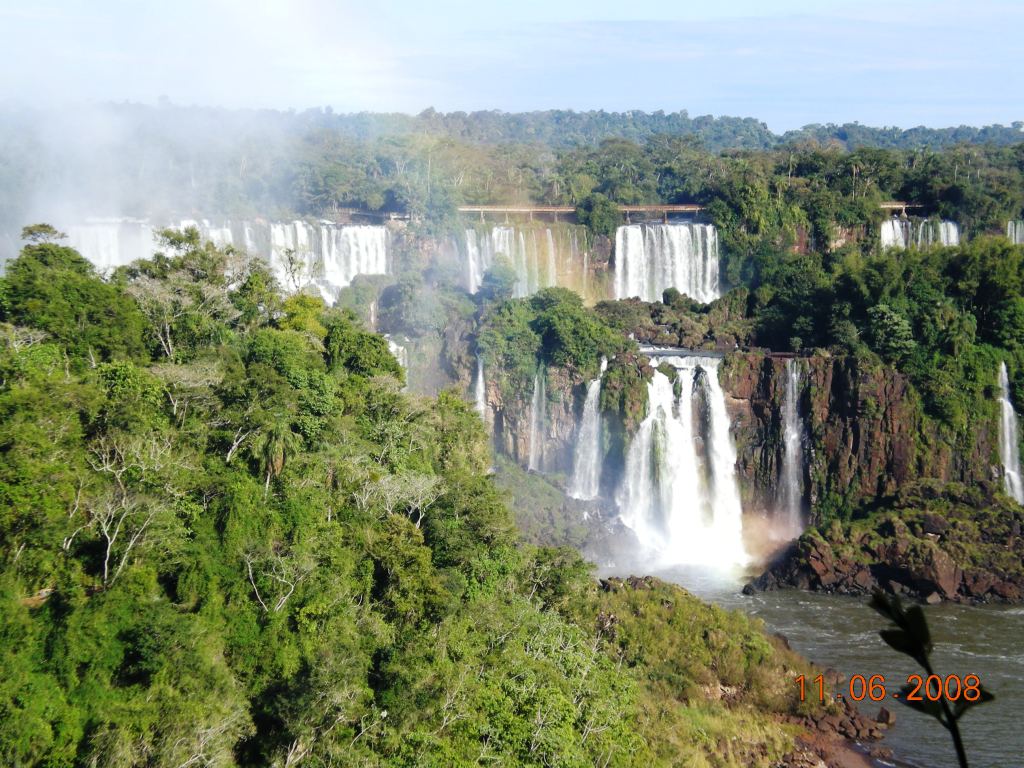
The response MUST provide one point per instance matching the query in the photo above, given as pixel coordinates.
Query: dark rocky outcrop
(511, 417)
(866, 433)
(931, 543)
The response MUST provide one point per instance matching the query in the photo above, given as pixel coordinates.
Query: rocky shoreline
(932, 544)
(848, 739)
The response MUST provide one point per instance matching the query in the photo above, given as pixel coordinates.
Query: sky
(786, 62)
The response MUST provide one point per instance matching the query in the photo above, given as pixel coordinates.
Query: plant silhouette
(912, 637)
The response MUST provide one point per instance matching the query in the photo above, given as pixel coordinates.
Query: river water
(842, 633)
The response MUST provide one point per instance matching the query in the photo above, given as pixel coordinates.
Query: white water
(480, 389)
(539, 257)
(1009, 435)
(476, 263)
(902, 233)
(793, 453)
(538, 422)
(112, 243)
(586, 475)
(399, 352)
(652, 257)
(1015, 231)
(483, 250)
(326, 256)
(679, 493)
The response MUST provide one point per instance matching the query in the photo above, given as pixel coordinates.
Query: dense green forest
(228, 538)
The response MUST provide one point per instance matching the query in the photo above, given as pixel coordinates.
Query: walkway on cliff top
(663, 210)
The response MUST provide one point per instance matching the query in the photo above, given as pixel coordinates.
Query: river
(842, 633)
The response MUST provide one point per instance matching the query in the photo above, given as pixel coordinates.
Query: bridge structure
(898, 205)
(568, 210)
(628, 210)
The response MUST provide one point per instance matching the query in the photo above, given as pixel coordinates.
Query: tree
(273, 445)
(890, 333)
(41, 233)
(599, 214)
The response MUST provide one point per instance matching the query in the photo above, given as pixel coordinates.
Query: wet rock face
(864, 435)
(512, 419)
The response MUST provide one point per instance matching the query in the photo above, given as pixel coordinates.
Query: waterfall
(652, 257)
(895, 233)
(586, 475)
(399, 352)
(1009, 435)
(325, 256)
(480, 389)
(475, 263)
(793, 452)
(679, 493)
(552, 273)
(1015, 232)
(538, 422)
(902, 233)
(112, 243)
(533, 253)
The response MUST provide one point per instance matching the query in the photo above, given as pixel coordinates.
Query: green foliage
(350, 348)
(244, 545)
(53, 289)
(599, 213)
(41, 233)
(890, 333)
(552, 327)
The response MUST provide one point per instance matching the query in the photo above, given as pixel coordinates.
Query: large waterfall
(903, 233)
(112, 243)
(1015, 231)
(322, 256)
(1009, 435)
(679, 493)
(480, 389)
(541, 257)
(792, 452)
(586, 475)
(538, 422)
(652, 257)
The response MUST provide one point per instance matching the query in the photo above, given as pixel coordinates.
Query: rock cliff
(866, 435)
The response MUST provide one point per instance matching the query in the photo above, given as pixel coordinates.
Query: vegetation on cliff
(552, 327)
(929, 542)
(229, 539)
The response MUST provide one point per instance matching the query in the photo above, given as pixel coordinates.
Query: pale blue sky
(787, 62)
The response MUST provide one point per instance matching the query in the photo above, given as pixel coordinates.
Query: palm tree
(274, 444)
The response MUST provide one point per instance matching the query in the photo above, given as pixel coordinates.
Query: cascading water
(1015, 232)
(1009, 435)
(399, 352)
(112, 243)
(540, 257)
(480, 389)
(475, 262)
(586, 475)
(538, 422)
(679, 493)
(652, 257)
(903, 233)
(793, 453)
(323, 255)
(552, 271)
